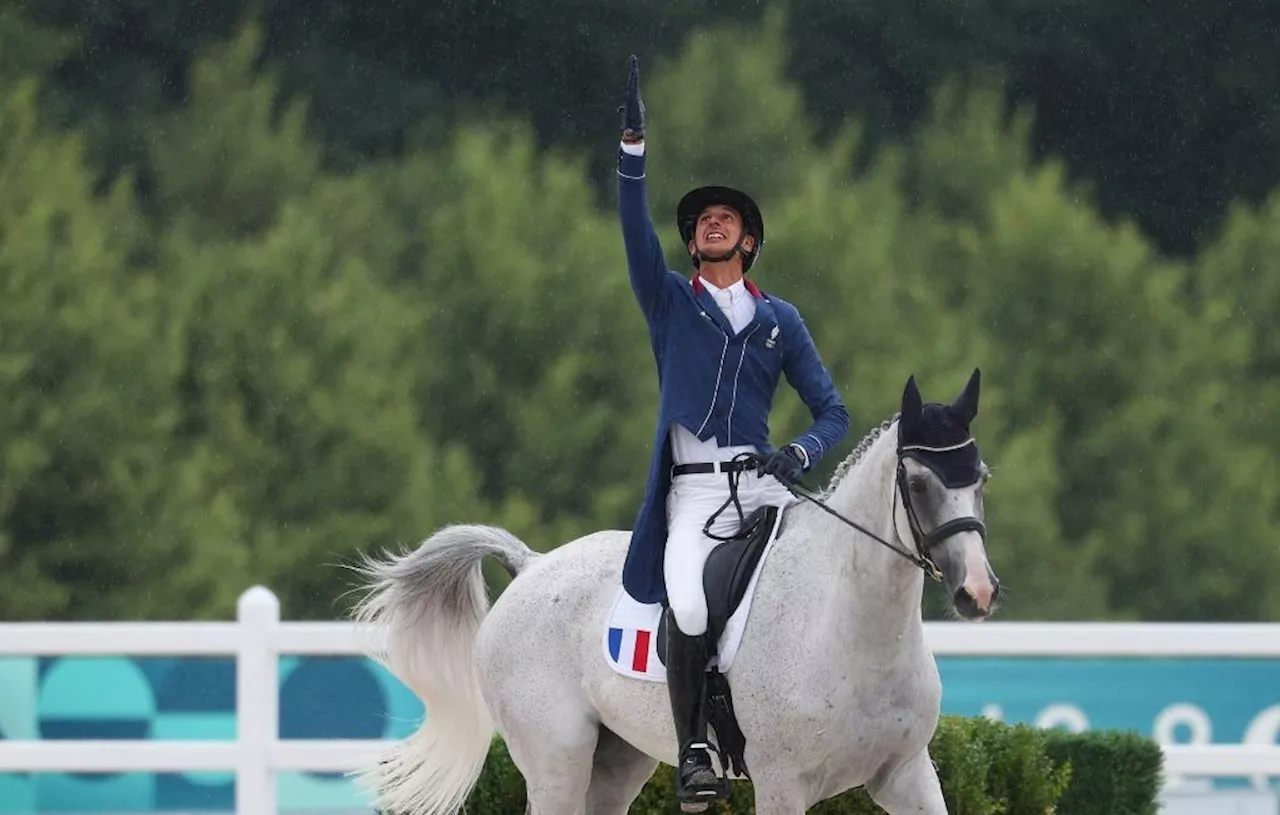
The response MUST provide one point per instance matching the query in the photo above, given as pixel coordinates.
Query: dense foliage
(1170, 116)
(235, 362)
(986, 768)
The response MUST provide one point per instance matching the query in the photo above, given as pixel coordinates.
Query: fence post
(257, 702)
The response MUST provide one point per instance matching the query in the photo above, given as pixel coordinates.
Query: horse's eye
(917, 485)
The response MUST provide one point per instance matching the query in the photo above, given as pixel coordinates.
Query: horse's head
(940, 478)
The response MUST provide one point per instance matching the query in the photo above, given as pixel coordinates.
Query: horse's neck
(881, 590)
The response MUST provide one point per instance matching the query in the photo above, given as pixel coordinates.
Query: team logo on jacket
(773, 338)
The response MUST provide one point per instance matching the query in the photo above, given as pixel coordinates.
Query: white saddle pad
(631, 631)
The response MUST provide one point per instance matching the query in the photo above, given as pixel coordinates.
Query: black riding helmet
(695, 201)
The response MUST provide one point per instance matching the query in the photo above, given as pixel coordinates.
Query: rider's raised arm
(645, 263)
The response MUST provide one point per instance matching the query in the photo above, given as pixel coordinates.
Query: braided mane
(859, 450)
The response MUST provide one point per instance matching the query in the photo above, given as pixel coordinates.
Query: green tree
(91, 501)
(294, 379)
(1092, 332)
(27, 48)
(531, 351)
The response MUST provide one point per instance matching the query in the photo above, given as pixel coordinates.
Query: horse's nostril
(968, 605)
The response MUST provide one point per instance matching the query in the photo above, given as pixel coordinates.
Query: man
(721, 345)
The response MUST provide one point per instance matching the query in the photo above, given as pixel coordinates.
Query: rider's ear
(912, 403)
(965, 407)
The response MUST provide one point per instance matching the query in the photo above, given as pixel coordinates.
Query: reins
(734, 477)
(926, 564)
(924, 541)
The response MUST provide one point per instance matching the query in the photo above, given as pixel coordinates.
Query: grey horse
(832, 683)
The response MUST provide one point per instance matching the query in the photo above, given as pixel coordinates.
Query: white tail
(429, 603)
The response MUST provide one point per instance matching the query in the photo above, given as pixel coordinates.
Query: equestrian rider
(721, 345)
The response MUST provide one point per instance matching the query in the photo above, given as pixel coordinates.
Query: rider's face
(717, 230)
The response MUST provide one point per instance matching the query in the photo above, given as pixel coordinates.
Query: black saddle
(726, 574)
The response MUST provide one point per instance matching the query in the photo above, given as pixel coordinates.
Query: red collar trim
(751, 287)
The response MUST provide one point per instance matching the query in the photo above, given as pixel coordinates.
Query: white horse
(833, 684)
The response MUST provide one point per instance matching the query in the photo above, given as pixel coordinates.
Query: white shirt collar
(736, 288)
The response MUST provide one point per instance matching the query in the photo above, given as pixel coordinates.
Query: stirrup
(698, 796)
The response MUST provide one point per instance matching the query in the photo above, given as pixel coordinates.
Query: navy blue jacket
(712, 381)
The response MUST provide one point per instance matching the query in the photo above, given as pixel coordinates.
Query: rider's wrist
(801, 454)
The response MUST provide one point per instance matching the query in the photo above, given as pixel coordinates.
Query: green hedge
(986, 767)
(1122, 771)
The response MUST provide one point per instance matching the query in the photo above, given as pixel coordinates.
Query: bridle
(924, 541)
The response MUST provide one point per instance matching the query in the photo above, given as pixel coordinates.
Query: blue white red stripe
(632, 648)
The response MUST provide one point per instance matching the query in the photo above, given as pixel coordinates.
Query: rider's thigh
(688, 507)
(686, 553)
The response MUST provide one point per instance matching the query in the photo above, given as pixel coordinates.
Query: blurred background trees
(285, 281)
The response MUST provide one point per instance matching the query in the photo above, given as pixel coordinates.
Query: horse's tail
(429, 604)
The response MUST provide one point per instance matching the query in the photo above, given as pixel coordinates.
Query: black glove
(632, 109)
(785, 465)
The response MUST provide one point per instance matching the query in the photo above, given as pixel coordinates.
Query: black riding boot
(686, 661)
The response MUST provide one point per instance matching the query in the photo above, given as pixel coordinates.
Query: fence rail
(258, 637)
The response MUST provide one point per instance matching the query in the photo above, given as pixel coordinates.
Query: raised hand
(632, 109)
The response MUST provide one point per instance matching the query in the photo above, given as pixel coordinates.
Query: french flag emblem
(630, 638)
(633, 649)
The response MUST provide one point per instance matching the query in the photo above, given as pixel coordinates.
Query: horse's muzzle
(975, 599)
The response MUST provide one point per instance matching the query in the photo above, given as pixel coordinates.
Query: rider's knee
(690, 614)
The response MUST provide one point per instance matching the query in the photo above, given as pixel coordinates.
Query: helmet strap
(700, 257)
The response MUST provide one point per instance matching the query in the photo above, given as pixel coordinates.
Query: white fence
(259, 637)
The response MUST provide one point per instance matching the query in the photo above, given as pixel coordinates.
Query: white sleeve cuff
(804, 454)
(633, 149)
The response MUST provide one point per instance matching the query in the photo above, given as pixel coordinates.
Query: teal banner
(1222, 701)
(187, 699)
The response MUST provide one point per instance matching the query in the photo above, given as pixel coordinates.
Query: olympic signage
(1174, 701)
(1178, 684)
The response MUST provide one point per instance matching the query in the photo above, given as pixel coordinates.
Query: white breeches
(690, 502)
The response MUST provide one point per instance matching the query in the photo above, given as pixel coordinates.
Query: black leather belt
(712, 467)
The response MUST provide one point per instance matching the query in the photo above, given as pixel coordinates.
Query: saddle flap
(730, 566)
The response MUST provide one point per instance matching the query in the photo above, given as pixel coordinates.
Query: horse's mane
(859, 450)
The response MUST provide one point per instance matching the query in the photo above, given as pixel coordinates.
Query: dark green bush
(1119, 772)
(986, 768)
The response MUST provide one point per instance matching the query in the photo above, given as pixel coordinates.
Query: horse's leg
(912, 788)
(779, 794)
(619, 773)
(555, 758)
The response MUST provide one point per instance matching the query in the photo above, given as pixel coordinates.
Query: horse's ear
(965, 407)
(912, 404)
